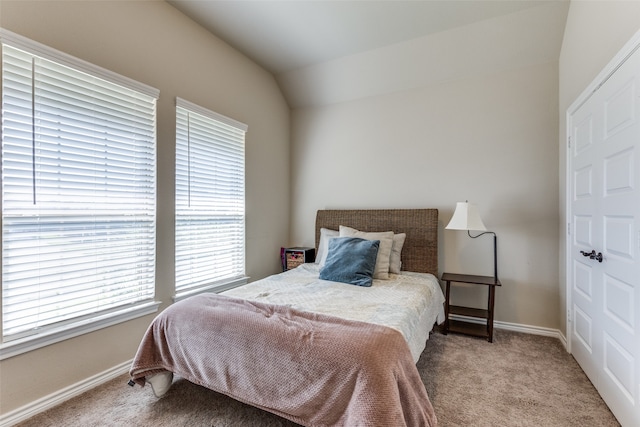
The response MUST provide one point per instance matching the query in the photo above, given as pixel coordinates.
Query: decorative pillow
(350, 260)
(396, 250)
(325, 236)
(384, 253)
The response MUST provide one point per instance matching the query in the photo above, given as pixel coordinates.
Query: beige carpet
(518, 380)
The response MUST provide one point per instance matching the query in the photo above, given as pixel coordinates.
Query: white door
(604, 207)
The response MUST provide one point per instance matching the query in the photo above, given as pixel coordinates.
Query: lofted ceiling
(293, 37)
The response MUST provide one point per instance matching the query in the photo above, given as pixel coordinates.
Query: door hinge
(569, 142)
(568, 315)
(569, 229)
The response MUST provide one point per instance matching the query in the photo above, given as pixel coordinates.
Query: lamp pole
(495, 251)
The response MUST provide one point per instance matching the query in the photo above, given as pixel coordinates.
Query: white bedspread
(409, 302)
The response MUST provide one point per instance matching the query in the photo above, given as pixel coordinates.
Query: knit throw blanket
(313, 369)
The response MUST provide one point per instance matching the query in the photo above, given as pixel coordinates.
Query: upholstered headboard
(420, 250)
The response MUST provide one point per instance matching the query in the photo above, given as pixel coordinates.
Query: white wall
(150, 41)
(490, 139)
(594, 33)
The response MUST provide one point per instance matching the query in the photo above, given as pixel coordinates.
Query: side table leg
(492, 294)
(445, 329)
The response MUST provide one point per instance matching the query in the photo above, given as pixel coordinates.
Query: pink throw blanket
(313, 369)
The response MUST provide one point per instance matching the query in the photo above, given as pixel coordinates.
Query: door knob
(592, 255)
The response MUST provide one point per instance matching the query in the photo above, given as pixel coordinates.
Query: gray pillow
(350, 260)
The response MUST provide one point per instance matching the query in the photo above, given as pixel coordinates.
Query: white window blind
(210, 208)
(78, 191)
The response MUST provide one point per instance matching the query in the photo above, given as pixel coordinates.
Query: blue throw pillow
(350, 260)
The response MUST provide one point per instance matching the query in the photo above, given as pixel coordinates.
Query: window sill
(214, 287)
(26, 344)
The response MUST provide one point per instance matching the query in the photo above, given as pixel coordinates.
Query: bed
(314, 351)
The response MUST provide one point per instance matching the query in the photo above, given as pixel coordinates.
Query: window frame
(241, 278)
(74, 327)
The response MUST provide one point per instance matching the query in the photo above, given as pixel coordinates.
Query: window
(210, 215)
(78, 193)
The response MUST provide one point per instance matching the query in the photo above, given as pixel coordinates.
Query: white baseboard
(518, 327)
(60, 396)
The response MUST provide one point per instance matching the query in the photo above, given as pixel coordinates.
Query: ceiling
(285, 35)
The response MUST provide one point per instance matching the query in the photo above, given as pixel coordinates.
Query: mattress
(408, 302)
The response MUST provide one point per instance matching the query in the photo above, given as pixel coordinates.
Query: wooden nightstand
(468, 328)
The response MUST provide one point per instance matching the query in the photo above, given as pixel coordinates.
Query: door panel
(618, 235)
(583, 283)
(618, 302)
(618, 364)
(619, 173)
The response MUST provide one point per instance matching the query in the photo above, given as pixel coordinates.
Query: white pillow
(384, 251)
(323, 245)
(396, 250)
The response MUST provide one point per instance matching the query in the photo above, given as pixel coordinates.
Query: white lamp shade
(466, 217)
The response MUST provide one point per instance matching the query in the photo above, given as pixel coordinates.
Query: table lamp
(467, 217)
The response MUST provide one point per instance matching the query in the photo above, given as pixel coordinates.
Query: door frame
(627, 50)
